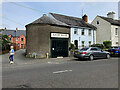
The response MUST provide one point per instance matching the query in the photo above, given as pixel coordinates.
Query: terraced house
(17, 38)
(81, 32)
(107, 29)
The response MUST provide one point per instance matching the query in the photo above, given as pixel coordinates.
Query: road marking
(53, 62)
(62, 71)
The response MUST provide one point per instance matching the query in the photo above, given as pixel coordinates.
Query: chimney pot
(44, 15)
(16, 28)
(5, 28)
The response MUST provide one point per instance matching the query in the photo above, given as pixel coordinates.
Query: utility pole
(82, 12)
(15, 39)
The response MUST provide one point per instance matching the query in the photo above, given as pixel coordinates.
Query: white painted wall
(86, 38)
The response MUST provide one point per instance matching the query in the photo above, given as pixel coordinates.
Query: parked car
(114, 51)
(91, 53)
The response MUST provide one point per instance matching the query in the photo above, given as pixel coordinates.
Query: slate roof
(72, 21)
(48, 20)
(110, 20)
(12, 32)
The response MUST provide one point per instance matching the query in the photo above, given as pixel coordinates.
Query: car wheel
(91, 57)
(108, 56)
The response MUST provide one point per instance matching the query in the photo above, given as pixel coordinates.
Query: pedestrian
(11, 55)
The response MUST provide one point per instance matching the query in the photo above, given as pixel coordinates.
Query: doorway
(59, 47)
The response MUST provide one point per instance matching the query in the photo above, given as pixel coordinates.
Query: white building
(107, 29)
(82, 33)
(119, 19)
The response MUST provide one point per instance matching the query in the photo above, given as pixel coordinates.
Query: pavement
(20, 59)
(59, 73)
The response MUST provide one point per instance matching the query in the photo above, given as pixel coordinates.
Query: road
(102, 73)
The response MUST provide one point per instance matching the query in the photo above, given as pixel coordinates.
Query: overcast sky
(19, 14)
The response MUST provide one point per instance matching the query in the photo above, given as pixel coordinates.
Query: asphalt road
(102, 73)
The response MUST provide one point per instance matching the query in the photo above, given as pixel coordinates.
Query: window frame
(116, 31)
(90, 32)
(76, 30)
(16, 38)
(97, 22)
(21, 39)
(83, 32)
(83, 43)
(90, 43)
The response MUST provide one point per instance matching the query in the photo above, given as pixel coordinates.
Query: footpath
(20, 59)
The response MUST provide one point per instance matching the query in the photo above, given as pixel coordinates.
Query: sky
(18, 14)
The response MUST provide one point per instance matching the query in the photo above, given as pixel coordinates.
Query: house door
(76, 44)
(59, 47)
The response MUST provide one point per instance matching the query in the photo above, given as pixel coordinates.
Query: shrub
(72, 46)
(98, 45)
(107, 44)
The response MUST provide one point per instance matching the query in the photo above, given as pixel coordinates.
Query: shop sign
(59, 35)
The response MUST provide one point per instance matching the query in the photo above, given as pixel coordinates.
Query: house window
(16, 39)
(116, 42)
(83, 42)
(10, 39)
(89, 43)
(83, 32)
(116, 31)
(22, 45)
(89, 32)
(98, 22)
(22, 39)
(75, 31)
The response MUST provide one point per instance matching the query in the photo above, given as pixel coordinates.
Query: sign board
(59, 35)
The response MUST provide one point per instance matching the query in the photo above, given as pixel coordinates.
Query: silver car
(91, 53)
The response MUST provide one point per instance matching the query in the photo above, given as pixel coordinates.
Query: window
(16, 39)
(116, 42)
(84, 49)
(89, 32)
(83, 43)
(93, 49)
(75, 31)
(116, 31)
(22, 39)
(83, 32)
(89, 43)
(22, 45)
(97, 22)
(10, 39)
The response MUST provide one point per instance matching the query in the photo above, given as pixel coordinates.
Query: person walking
(11, 55)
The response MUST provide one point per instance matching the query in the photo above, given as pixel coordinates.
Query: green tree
(4, 40)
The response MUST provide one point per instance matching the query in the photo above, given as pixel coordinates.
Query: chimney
(5, 28)
(85, 18)
(44, 15)
(111, 15)
(16, 29)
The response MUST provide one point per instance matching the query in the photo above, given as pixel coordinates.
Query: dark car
(114, 51)
(91, 53)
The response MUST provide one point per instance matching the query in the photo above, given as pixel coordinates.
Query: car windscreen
(84, 49)
(114, 47)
